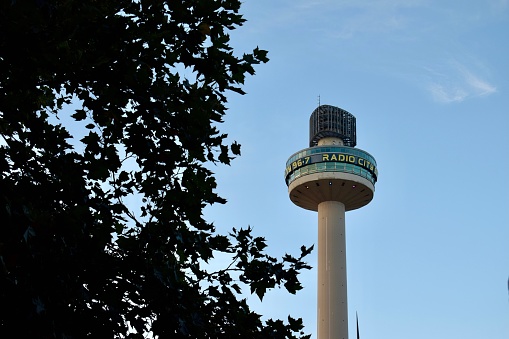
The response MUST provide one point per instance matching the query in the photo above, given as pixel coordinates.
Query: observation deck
(331, 173)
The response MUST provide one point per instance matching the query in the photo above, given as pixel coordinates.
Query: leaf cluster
(147, 80)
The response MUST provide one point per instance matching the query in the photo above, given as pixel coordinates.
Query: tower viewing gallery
(331, 177)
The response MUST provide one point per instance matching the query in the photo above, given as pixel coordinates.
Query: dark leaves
(79, 115)
(102, 229)
(235, 148)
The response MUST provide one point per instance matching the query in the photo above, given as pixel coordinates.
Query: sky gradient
(428, 82)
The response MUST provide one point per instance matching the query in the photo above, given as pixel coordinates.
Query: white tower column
(332, 292)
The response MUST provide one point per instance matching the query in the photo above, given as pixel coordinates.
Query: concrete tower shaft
(332, 305)
(331, 177)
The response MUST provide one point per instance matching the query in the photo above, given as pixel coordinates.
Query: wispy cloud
(456, 83)
(342, 19)
(368, 16)
(447, 94)
(478, 86)
(499, 5)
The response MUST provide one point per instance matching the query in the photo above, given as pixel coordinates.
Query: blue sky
(428, 82)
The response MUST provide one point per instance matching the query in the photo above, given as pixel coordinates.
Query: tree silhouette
(147, 80)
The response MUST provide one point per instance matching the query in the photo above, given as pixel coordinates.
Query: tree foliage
(147, 80)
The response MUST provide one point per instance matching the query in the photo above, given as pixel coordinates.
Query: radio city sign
(331, 157)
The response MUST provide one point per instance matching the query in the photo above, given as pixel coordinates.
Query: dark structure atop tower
(329, 121)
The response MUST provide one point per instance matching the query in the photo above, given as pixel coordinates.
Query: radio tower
(331, 177)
